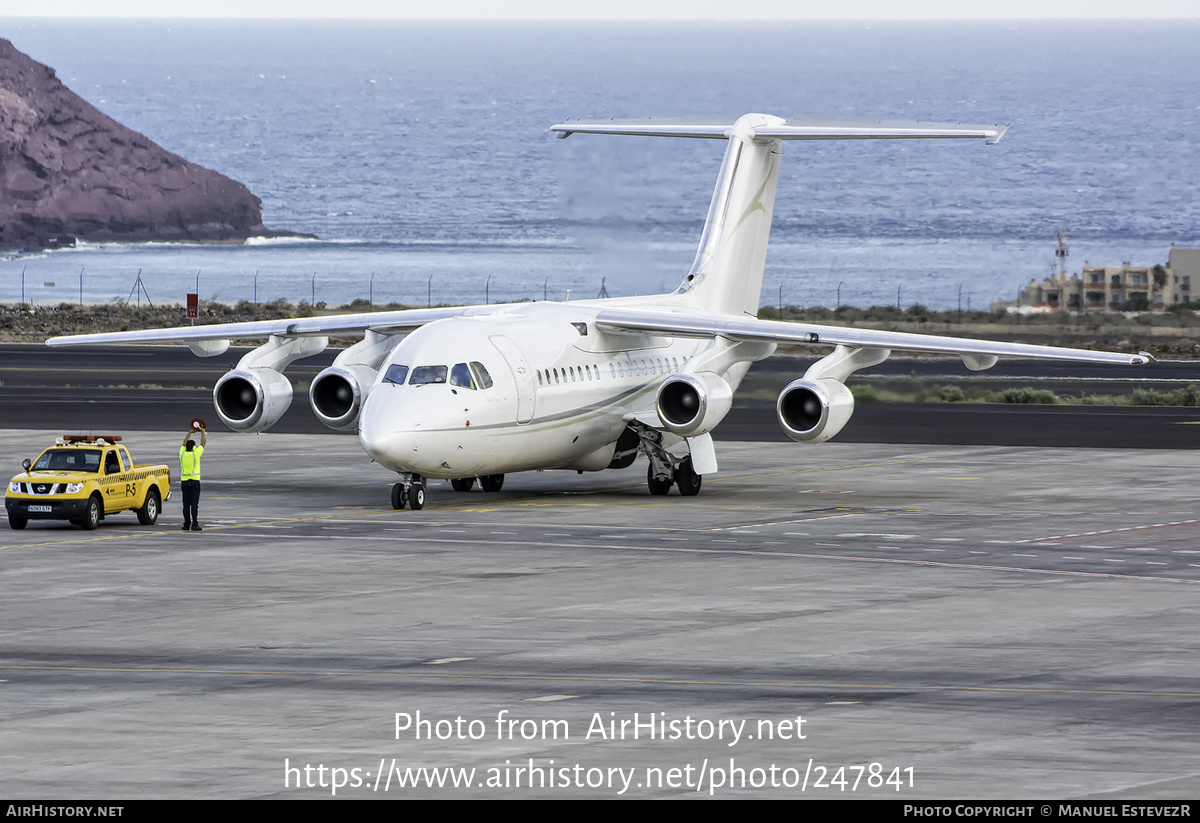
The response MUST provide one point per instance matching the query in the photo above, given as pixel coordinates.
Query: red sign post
(193, 305)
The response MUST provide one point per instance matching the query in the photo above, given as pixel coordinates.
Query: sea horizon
(419, 153)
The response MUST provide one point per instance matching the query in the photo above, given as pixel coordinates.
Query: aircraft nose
(393, 431)
(379, 429)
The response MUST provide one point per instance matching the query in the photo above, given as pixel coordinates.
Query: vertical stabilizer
(726, 276)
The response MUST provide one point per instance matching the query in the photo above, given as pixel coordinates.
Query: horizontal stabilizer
(797, 127)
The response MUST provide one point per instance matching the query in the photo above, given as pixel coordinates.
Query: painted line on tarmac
(749, 552)
(543, 678)
(1114, 531)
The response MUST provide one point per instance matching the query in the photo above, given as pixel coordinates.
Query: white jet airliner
(482, 391)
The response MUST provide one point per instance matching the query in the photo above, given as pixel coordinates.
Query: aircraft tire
(399, 498)
(657, 487)
(416, 497)
(687, 479)
(492, 482)
(463, 484)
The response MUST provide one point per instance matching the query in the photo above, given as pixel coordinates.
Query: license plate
(45, 509)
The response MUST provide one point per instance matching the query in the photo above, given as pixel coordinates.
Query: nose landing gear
(410, 491)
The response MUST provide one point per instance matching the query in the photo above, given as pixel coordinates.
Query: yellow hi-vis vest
(189, 463)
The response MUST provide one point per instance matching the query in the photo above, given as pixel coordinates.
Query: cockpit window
(395, 374)
(482, 378)
(460, 376)
(72, 460)
(421, 375)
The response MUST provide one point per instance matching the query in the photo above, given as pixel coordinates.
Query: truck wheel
(17, 523)
(148, 513)
(91, 515)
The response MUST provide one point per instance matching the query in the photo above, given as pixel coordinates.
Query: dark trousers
(191, 502)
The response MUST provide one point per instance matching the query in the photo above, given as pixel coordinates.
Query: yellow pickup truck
(83, 479)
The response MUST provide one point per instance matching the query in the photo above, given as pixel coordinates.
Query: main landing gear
(665, 471)
(487, 482)
(682, 475)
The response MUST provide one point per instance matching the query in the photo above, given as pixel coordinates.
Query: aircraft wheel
(463, 484)
(656, 485)
(416, 497)
(148, 513)
(492, 482)
(399, 498)
(687, 479)
(91, 515)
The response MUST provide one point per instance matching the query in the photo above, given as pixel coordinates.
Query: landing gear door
(522, 375)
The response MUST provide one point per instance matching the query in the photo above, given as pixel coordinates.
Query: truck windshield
(71, 460)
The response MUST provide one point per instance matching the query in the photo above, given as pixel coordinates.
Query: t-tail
(726, 276)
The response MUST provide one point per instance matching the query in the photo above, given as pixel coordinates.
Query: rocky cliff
(68, 171)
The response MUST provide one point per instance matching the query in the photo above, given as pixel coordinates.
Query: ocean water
(418, 153)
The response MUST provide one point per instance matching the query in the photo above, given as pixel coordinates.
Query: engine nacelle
(812, 411)
(337, 395)
(693, 404)
(252, 400)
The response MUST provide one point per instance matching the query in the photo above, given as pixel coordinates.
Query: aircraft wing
(679, 324)
(335, 324)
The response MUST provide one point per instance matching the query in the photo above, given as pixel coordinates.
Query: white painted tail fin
(727, 274)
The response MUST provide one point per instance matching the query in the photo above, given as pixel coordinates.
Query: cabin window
(424, 375)
(395, 374)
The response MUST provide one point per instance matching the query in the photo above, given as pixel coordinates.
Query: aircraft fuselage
(561, 392)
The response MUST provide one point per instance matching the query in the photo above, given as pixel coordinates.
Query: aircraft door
(522, 375)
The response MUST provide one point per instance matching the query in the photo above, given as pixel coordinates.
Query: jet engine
(693, 404)
(812, 411)
(337, 395)
(252, 400)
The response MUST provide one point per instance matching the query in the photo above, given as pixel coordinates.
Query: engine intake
(252, 400)
(693, 404)
(812, 411)
(337, 395)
